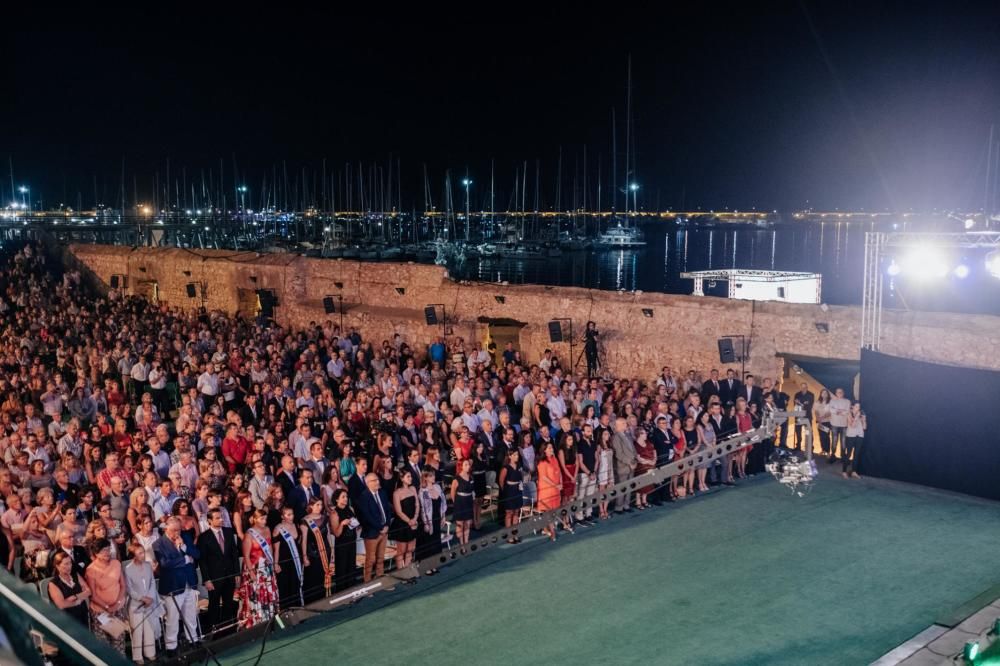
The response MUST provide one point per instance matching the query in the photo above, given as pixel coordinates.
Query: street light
(23, 190)
(634, 187)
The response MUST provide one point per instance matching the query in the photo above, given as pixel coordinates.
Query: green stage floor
(748, 575)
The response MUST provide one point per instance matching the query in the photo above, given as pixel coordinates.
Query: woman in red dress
(645, 461)
(258, 586)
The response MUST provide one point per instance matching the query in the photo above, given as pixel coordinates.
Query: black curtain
(935, 425)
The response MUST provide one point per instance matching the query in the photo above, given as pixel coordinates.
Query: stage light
(993, 263)
(962, 271)
(894, 269)
(970, 651)
(969, 223)
(924, 262)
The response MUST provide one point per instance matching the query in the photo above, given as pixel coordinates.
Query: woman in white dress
(605, 468)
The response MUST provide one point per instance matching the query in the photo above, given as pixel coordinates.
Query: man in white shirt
(459, 394)
(140, 375)
(556, 403)
(208, 384)
(840, 407)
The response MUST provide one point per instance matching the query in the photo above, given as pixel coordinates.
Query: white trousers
(141, 621)
(183, 605)
(585, 487)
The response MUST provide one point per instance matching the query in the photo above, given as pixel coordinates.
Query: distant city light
(962, 271)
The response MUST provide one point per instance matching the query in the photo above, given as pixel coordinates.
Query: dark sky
(827, 105)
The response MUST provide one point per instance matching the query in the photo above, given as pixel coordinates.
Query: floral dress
(258, 587)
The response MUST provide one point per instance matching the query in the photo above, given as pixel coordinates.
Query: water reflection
(671, 250)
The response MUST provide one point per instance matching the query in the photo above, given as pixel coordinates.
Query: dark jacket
(176, 572)
(298, 499)
(216, 563)
(371, 518)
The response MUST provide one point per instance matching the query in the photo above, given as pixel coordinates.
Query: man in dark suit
(374, 511)
(804, 400)
(285, 476)
(220, 569)
(729, 389)
(711, 387)
(78, 554)
(250, 411)
(412, 465)
(303, 493)
(664, 452)
(176, 555)
(356, 484)
(752, 394)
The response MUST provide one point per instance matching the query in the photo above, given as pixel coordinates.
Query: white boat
(620, 236)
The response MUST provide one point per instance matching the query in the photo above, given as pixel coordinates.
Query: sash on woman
(324, 560)
(294, 550)
(264, 546)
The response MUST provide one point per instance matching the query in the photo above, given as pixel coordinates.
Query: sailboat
(625, 235)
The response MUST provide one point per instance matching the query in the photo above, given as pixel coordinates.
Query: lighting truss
(876, 244)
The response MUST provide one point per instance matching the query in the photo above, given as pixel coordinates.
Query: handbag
(112, 626)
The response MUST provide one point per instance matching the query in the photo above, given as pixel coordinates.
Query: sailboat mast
(628, 134)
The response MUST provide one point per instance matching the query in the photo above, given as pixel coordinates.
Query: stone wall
(682, 331)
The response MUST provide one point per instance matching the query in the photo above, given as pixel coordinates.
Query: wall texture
(682, 332)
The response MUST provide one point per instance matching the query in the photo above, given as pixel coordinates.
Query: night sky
(880, 105)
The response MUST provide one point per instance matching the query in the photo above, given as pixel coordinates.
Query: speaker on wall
(328, 305)
(555, 331)
(430, 314)
(191, 291)
(727, 354)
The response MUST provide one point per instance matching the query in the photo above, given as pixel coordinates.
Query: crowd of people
(168, 474)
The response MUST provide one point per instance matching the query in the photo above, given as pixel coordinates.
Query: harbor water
(835, 250)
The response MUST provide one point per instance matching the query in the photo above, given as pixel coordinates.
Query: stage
(747, 575)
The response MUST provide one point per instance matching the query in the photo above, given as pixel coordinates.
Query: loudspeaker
(555, 331)
(726, 352)
(114, 281)
(190, 289)
(430, 314)
(328, 305)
